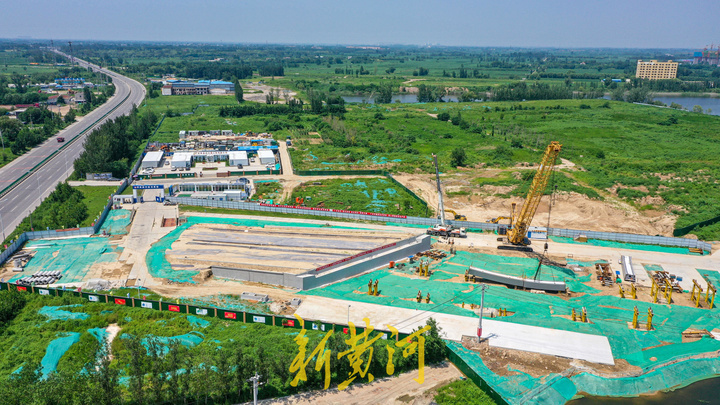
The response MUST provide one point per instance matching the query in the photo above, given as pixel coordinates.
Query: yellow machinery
(517, 235)
(696, 293)
(635, 318)
(710, 299)
(457, 217)
(498, 219)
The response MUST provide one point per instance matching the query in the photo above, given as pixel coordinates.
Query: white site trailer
(152, 159)
(181, 160)
(238, 157)
(266, 156)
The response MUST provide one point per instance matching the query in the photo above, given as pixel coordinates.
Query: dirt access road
(400, 390)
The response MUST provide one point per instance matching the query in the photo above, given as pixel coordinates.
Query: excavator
(458, 217)
(517, 235)
(498, 219)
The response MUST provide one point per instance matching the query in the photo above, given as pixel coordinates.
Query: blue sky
(521, 23)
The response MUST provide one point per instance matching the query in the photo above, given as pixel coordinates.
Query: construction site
(539, 318)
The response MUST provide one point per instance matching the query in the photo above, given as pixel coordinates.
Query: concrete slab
(573, 345)
(593, 348)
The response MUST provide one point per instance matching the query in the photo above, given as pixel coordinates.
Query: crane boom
(440, 196)
(516, 236)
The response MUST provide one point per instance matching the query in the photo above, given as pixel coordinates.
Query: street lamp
(349, 315)
(483, 287)
(256, 382)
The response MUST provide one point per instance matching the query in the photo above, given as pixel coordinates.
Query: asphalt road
(21, 200)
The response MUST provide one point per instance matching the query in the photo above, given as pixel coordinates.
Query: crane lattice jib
(524, 218)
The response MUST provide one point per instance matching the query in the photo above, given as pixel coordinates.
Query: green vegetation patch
(461, 392)
(365, 194)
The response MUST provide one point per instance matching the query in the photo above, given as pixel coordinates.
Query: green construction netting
(100, 334)
(609, 315)
(624, 245)
(55, 351)
(198, 322)
(191, 339)
(117, 222)
(73, 257)
(57, 313)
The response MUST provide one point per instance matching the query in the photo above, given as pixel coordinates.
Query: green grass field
(95, 197)
(645, 151)
(367, 194)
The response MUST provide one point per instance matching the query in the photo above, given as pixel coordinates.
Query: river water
(397, 98)
(688, 103)
(701, 392)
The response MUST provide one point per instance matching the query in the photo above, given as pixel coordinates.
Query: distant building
(176, 87)
(70, 82)
(655, 70)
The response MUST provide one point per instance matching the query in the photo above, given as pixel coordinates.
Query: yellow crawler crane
(521, 223)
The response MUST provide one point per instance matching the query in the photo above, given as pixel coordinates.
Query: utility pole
(255, 380)
(483, 287)
(72, 62)
(3, 144)
(348, 316)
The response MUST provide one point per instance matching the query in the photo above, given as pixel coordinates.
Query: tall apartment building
(655, 70)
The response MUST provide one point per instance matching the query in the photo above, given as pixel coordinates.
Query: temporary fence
(633, 238)
(470, 225)
(195, 310)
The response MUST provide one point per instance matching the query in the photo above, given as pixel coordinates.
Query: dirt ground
(265, 89)
(570, 210)
(537, 365)
(400, 390)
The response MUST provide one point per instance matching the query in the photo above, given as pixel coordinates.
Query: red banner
(367, 252)
(174, 308)
(230, 315)
(120, 301)
(374, 214)
(288, 322)
(21, 288)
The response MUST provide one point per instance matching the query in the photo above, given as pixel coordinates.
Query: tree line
(146, 370)
(114, 146)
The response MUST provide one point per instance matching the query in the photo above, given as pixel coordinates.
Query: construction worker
(419, 296)
(427, 299)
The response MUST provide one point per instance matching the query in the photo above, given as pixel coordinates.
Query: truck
(60, 139)
(447, 231)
